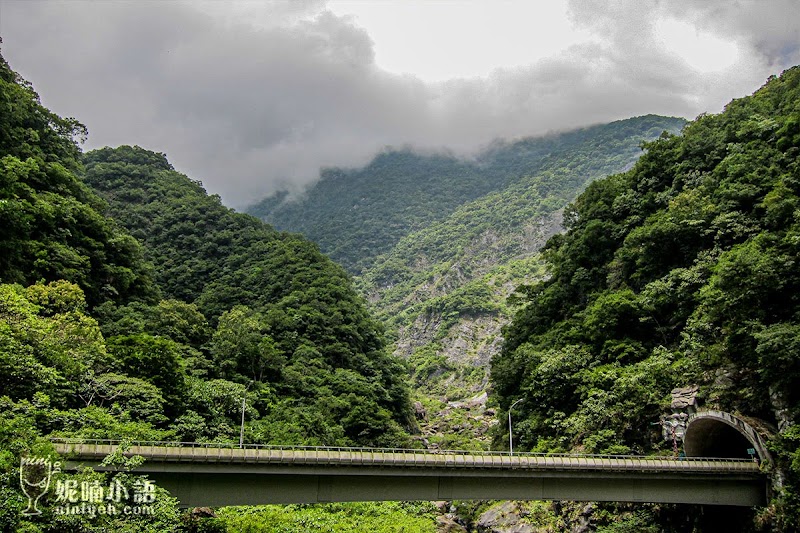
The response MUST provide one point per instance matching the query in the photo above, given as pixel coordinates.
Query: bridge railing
(332, 455)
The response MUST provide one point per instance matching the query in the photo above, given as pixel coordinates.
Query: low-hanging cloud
(253, 109)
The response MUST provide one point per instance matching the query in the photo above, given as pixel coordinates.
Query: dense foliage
(682, 270)
(135, 306)
(281, 314)
(162, 322)
(504, 225)
(51, 225)
(385, 517)
(356, 215)
(442, 291)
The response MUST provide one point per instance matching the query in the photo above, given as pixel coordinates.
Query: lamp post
(510, 437)
(244, 399)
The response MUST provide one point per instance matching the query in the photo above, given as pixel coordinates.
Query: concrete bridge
(218, 475)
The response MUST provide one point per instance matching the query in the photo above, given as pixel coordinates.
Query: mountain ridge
(357, 214)
(442, 290)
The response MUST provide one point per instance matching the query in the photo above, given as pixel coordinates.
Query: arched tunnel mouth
(707, 437)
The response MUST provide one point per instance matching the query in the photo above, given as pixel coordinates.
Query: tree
(157, 361)
(242, 348)
(53, 225)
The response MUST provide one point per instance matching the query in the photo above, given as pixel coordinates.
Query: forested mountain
(442, 290)
(682, 270)
(357, 214)
(52, 226)
(442, 270)
(285, 315)
(135, 306)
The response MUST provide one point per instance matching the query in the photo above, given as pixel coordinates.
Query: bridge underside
(222, 485)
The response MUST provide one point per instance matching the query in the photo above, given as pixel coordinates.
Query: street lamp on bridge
(244, 404)
(510, 437)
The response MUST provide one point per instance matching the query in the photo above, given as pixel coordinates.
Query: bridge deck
(200, 453)
(218, 475)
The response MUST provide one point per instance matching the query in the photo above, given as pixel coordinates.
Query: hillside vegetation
(443, 291)
(440, 243)
(281, 314)
(135, 306)
(681, 271)
(445, 260)
(355, 215)
(52, 225)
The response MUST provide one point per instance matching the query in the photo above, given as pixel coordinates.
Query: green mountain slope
(681, 271)
(442, 291)
(456, 238)
(286, 315)
(356, 215)
(51, 225)
(257, 327)
(509, 223)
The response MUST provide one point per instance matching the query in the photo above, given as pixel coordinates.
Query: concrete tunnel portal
(720, 434)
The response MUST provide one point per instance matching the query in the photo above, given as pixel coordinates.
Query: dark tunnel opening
(713, 438)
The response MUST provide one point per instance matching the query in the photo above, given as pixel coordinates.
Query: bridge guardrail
(166, 451)
(366, 449)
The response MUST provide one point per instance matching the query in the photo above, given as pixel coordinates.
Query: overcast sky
(251, 97)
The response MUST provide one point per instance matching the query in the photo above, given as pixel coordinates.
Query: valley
(443, 290)
(570, 281)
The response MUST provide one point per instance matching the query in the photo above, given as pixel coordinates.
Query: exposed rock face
(478, 401)
(504, 518)
(673, 427)
(684, 403)
(416, 335)
(472, 340)
(685, 398)
(448, 524)
(584, 522)
(419, 412)
(724, 378)
(780, 406)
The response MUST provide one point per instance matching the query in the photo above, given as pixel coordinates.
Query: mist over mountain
(355, 215)
(438, 243)
(256, 97)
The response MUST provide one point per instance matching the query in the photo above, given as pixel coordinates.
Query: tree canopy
(135, 306)
(681, 271)
(53, 226)
(356, 215)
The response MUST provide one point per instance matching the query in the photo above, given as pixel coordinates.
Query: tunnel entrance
(723, 435)
(712, 438)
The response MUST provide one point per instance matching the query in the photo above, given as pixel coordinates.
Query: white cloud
(250, 99)
(703, 51)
